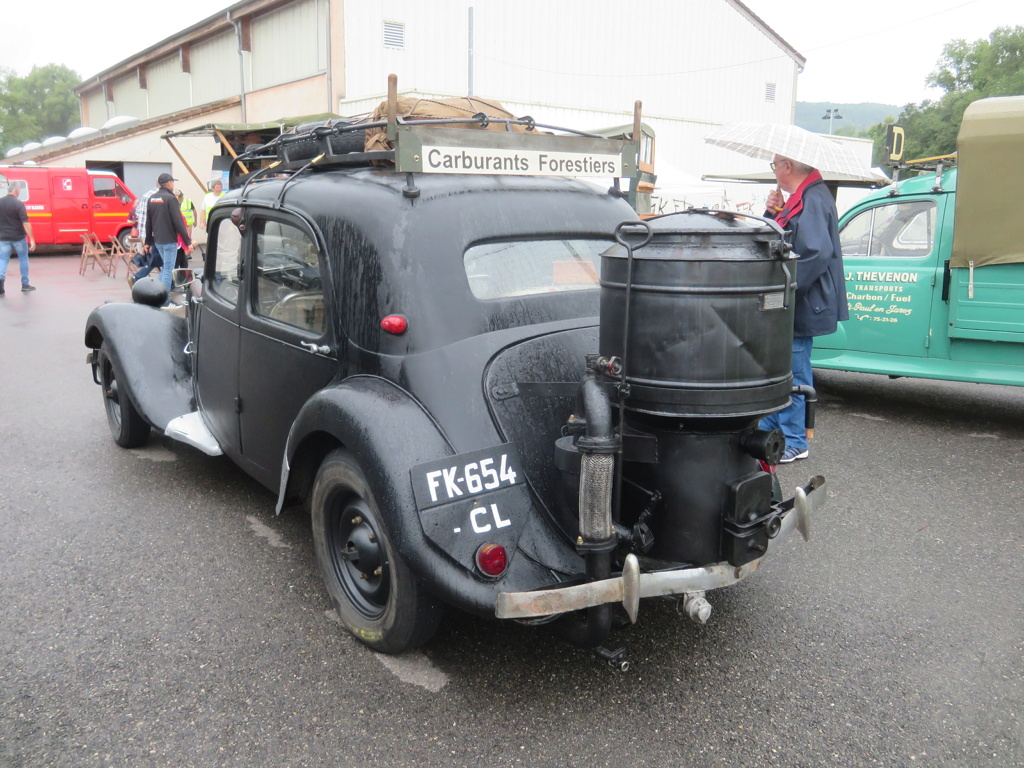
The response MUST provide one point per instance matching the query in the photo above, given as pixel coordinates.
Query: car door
(286, 345)
(216, 335)
(891, 256)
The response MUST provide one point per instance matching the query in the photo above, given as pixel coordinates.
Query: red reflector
(769, 468)
(491, 559)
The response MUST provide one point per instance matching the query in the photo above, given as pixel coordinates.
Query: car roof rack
(937, 165)
(443, 145)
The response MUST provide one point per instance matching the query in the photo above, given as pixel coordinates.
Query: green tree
(966, 72)
(37, 106)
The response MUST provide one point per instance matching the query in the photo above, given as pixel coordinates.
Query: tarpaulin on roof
(280, 126)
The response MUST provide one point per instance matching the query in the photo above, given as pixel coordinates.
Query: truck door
(891, 255)
(69, 197)
(110, 205)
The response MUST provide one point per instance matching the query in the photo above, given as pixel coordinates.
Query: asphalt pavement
(155, 612)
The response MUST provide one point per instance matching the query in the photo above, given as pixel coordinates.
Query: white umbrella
(764, 141)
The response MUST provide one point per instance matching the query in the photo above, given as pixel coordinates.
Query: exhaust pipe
(597, 447)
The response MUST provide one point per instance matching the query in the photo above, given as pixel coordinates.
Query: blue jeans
(791, 419)
(168, 252)
(21, 248)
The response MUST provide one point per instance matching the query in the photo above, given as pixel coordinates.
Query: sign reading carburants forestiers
(522, 162)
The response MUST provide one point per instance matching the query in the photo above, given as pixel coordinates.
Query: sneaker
(25, 287)
(793, 454)
(2, 291)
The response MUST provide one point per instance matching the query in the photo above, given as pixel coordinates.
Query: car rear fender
(147, 346)
(389, 433)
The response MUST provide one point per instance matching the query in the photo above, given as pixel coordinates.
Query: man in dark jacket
(164, 225)
(809, 214)
(15, 236)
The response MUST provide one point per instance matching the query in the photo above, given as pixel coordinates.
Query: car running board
(191, 429)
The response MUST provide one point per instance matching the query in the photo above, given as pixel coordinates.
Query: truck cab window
(895, 230)
(103, 187)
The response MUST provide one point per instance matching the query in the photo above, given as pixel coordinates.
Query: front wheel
(124, 237)
(127, 426)
(375, 594)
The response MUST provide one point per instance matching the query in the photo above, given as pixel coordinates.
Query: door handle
(315, 348)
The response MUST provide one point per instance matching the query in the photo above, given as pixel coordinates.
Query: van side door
(69, 196)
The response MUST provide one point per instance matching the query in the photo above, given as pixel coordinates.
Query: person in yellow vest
(188, 211)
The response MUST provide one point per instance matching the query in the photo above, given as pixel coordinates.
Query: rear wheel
(127, 426)
(376, 595)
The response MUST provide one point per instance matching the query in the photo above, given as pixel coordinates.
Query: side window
(103, 186)
(227, 251)
(21, 186)
(122, 194)
(892, 230)
(288, 285)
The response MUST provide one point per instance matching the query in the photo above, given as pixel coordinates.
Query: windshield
(529, 267)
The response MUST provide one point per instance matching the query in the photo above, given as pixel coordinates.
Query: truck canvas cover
(990, 151)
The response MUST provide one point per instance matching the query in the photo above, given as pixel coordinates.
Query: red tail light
(491, 560)
(395, 324)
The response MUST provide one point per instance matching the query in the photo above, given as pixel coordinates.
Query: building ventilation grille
(394, 35)
(769, 91)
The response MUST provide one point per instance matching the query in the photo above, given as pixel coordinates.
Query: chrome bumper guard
(632, 585)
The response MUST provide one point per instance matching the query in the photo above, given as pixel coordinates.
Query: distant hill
(856, 117)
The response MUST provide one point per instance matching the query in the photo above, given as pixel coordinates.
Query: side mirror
(182, 278)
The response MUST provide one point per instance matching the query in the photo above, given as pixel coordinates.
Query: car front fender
(147, 345)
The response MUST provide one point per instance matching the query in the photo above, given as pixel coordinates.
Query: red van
(65, 203)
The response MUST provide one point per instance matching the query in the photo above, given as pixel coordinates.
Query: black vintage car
(502, 393)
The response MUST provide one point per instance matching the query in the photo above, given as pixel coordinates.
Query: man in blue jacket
(809, 214)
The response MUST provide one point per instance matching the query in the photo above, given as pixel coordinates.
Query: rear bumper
(631, 585)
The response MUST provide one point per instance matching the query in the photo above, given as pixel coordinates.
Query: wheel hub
(360, 561)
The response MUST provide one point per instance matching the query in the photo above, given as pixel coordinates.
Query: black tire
(308, 147)
(127, 426)
(124, 238)
(377, 597)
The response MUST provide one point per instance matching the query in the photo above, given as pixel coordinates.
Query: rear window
(529, 267)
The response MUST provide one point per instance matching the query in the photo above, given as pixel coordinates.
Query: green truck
(935, 264)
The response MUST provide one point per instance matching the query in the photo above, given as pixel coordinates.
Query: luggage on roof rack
(416, 135)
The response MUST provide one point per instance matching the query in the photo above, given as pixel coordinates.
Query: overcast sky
(856, 51)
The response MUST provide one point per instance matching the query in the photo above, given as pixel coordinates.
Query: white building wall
(94, 112)
(169, 89)
(215, 71)
(699, 58)
(289, 44)
(129, 98)
(693, 64)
